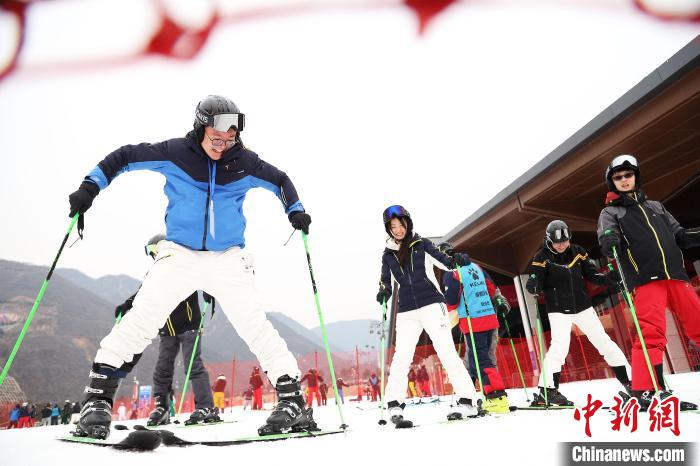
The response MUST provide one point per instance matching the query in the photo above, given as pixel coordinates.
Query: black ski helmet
(446, 248)
(557, 232)
(396, 211)
(218, 112)
(623, 162)
(152, 245)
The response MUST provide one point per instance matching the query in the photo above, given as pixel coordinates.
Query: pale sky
(357, 108)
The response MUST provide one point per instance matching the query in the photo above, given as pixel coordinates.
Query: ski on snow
(136, 441)
(170, 439)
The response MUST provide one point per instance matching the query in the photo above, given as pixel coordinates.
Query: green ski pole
(471, 333)
(382, 363)
(343, 425)
(194, 351)
(630, 304)
(38, 299)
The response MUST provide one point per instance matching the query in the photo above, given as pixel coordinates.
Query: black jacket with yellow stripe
(560, 278)
(186, 316)
(650, 238)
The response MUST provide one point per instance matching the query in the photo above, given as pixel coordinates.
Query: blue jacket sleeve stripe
(259, 183)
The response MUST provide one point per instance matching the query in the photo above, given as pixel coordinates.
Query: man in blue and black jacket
(207, 175)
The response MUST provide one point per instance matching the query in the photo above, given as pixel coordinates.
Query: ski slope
(523, 438)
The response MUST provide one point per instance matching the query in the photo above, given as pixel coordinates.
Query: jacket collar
(392, 245)
(615, 199)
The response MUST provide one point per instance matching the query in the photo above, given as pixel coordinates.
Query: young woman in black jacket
(409, 259)
(558, 271)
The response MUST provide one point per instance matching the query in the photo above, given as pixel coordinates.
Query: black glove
(613, 277)
(383, 295)
(81, 200)
(300, 221)
(501, 304)
(121, 310)
(461, 259)
(209, 299)
(607, 242)
(532, 285)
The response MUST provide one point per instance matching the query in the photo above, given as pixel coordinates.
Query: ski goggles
(623, 160)
(225, 121)
(560, 235)
(394, 211)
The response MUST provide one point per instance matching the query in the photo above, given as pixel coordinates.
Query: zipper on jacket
(206, 211)
(571, 285)
(663, 256)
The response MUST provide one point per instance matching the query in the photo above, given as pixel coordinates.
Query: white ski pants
(409, 325)
(178, 272)
(589, 323)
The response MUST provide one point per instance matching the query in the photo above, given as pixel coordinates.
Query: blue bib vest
(478, 300)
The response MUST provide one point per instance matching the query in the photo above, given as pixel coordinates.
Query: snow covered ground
(522, 438)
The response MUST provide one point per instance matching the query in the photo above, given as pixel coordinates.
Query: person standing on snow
(55, 414)
(423, 380)
(323, 390)
(208, 173)
(648, 242)
(483, 299)
(312, 379)
(179, 332)
(14, 417)
(121, 412)
(46, 415)
(256, 382)
(248, 398)
(374, 384)
(558, 270)
(412, 392)
(340, 383)
(408, 258)
(66, 412)
(219, 389)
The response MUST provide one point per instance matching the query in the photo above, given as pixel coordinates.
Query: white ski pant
(177, 273)
(409, 325)
(589, 323)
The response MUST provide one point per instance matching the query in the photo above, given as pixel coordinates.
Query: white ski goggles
(621, 160)
(224, 121)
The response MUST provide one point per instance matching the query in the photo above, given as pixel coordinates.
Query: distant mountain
(77, 312)
(111, 288)
(55, 358)
(347, 334)
(301, 330)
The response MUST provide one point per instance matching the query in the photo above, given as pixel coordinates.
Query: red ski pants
(651, 301)
(310, 399)
(257, 398)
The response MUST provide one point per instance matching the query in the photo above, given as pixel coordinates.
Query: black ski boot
(554, 398)
(464, 408)
(161, 412)
(682, 405)
(205, 415)
(96, 415)
(643, 398)
(290, 414)
(396, 415)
